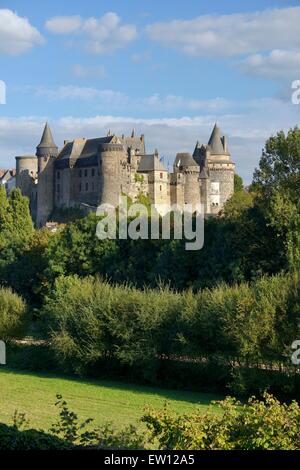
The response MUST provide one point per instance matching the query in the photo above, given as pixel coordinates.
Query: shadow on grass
(199, 398)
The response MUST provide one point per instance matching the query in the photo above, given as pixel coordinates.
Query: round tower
(46, 153)
(110, 157)
(221, 170)
(186, 165)
(26, 173)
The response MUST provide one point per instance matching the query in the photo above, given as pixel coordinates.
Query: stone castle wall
(111, 169)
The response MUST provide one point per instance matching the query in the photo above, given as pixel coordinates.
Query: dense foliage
(12, 314)
(258, 425)
(243, 326)
(30, 439)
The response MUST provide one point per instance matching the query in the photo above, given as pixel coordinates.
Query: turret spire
(47, 145)
(47, 139)
(215, 142)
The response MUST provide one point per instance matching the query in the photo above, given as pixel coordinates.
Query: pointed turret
(47, 146)
(46, 152)
(197, 148)
(215, 142)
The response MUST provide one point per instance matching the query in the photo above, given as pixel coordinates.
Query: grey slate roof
(215, 142)
(86, 148)
(47, 139)
(185, 159)
(150, 163)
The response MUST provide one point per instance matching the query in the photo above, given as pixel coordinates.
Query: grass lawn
(35, 394)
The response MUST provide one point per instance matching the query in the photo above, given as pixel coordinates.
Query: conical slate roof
(184, 159)
(215, 142)
(47, 139)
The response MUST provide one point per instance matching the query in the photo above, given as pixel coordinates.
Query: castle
(88, 172)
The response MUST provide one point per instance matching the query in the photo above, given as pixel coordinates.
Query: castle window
(160, 188)
(80, 174)
(57, 174)
(58, 188)
(86, 186)
(93, 172)
(85, 173)
(161, 175)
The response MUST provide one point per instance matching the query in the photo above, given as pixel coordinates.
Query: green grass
(35, 394)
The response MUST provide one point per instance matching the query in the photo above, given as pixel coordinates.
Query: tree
(238, 183)
(277, 182)
(20, 213)
(239, 202)
(5, 215)
(279, 166)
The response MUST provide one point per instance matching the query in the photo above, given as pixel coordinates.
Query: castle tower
(220, 169)
(186, 181)
(46, 153)
(26, 172)
(111, 156)
(26, 176)
(205, 191)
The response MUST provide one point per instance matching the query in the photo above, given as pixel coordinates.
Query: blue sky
(167, 68)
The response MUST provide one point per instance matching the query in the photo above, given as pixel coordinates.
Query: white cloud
(155, 102)
(231, 35)
(174, 102)
(63, 24)
(101, 35)
(277, 65)
(17, 35)
(71, 92)
(89, 72)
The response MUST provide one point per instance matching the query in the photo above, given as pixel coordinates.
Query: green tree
(277, 182)
(238, 183)
(12, 314)
(5, 216)
(239, 202)
(279, 166)
(20, 213)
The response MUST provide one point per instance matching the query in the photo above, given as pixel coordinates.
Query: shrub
(225, 331)
(258, 425)
(12, 314)
(11, 438)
